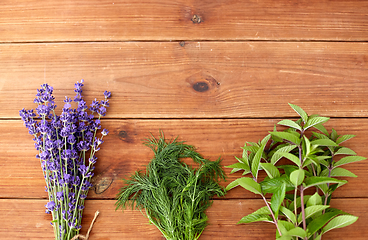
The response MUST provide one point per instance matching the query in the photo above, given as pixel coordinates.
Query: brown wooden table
(214, 73)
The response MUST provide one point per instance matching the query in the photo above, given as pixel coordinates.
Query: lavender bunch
(67, 146)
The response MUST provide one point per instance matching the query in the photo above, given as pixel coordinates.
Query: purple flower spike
(104, 132)
(44, 95)
(67, 102)
(44, 156)
(101, 111)
(60, 196)
(107, 94)
(83, 170)
(50, 206)
(83, 146)
(43, 110)
(94, 105)
(71, 224)
(93, 160)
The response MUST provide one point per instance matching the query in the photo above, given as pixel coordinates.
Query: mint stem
(272, 214)
(302, 206)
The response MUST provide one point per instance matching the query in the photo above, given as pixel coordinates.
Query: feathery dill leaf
(173, 194)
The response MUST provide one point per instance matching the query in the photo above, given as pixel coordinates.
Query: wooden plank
(123, 152)
(26, 219)
(196, 80)
(102, 20)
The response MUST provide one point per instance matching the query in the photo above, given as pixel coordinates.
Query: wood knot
(182, 43)
(201, 86)
(102, 185)
(126, 134)
(201, 82)
(196, 19)
(123, 134)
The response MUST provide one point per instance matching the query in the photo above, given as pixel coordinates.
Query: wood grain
(25, 219)
(215, 73)
(158, 20)
(123, 152)
(197, 80)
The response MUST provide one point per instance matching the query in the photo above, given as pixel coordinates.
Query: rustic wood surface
(214, 73)
(123, 152)
(112, 224)
(117, 20)
(196, 80)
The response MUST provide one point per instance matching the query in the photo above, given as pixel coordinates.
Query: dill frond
(174, 195)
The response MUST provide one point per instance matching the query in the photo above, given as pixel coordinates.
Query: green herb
(316, 159)
(173, 194)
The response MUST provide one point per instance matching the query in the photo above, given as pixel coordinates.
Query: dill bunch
(174, 195)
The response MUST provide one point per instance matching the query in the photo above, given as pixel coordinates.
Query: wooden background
(216, 73)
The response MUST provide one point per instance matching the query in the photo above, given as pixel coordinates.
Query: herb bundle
(67, 145)
(316, 161)
(173, 194)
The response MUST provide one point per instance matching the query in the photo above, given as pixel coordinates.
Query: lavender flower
(60, 196)
(104, 132)
(107, 94)
(50, 206)
(62, 142)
